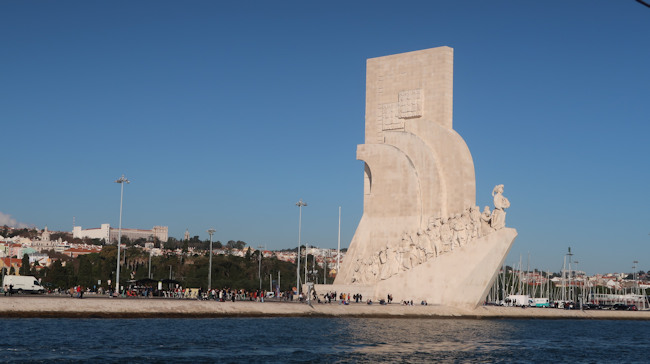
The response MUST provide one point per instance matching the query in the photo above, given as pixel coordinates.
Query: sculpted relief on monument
(409, 105)
(441, 236)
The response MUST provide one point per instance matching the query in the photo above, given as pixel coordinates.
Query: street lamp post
(122, 180)
(314, 272)
(580, 298)
(327, 253)
(300, 204)
(149, 276)
(634, 277)
(210, 231)
(306, 260)
(259, 271)
(338, 249)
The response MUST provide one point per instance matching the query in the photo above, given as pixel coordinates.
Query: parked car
(620, 307)
(591, 306)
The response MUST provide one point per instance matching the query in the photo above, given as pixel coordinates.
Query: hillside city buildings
(13, 248)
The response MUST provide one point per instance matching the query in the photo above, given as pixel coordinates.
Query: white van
(520, 300)
(20, 284)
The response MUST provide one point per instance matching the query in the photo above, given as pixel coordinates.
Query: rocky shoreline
(63, 307)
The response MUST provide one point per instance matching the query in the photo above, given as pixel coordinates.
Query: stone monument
(421, 236)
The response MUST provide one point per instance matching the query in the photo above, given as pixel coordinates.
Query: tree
(248, 253)
(235, 244)
(61, 235)
(126, 240)
(24, 268)
(171, 243)
(140, 241)
(57, 275)
(84, 274)
(60, 256)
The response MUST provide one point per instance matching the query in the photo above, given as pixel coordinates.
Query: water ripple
(322, 340)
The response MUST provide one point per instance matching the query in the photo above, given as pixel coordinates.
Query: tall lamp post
(580, 298)
(122, 180)
(259, 271)
(338, 249)
(327, 254)
(210, 231)
(306, 260)
(636, 285)
(152, 241)
(300, 204)
(149, 276)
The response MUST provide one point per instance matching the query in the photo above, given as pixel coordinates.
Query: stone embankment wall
(16, 306)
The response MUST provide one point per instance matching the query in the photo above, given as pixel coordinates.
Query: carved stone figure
(500, 204)
(475, 222)
(356, 275)
(394, 260)
(486, 217)
(373, 268)
(382, 256)
(446, 235)
(405, 249)
(464, 234)
(434, 235)
(458, 231)
(432, 250)
(386, 266)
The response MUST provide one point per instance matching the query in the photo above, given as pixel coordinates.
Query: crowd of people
(228, 295)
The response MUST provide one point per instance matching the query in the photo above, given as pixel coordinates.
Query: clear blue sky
(224, 114)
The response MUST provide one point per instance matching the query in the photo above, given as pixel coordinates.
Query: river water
(323, 340)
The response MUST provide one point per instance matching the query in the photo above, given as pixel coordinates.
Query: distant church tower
(187, 235)
(45, 236)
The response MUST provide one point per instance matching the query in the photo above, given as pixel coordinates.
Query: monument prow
(421, 236)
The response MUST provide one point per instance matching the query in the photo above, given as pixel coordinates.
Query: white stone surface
(419, 189)
(459, 279)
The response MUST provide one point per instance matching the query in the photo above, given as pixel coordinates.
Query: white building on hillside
(109, 234)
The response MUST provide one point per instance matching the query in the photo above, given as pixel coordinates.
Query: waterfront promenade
(102, 307)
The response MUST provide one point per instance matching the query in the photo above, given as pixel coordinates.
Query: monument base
(445, 280)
